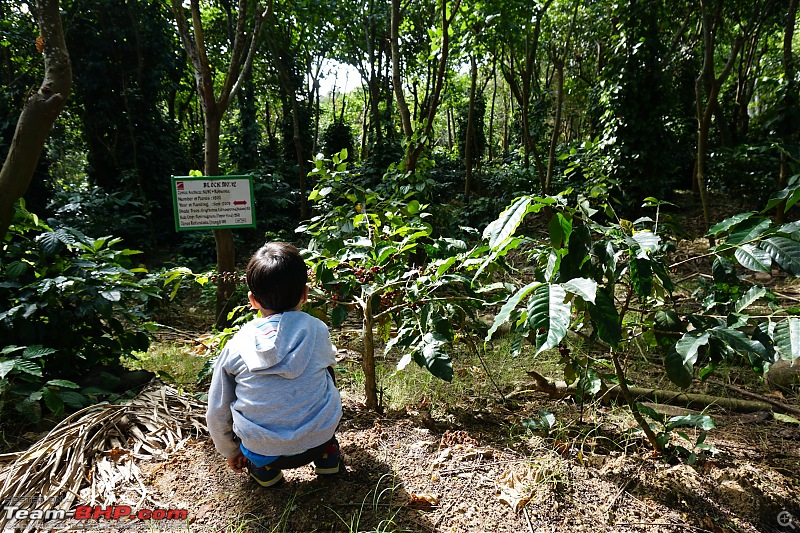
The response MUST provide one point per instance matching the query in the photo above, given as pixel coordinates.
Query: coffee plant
(70, 306)
(608, 280)
(376, 257)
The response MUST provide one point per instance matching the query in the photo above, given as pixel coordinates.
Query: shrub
(69, 305)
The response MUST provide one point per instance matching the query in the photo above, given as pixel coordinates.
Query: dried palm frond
(92, 455)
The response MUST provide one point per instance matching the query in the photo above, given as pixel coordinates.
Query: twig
(663, 524)
(623, 489)
(703, 256)
(486, 369)
(782, 295)
(528, 519)
(445, 511)
(690, 276)
(478, 467)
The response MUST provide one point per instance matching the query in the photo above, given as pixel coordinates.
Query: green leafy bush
(70, 306)
(607, 279)
(375, 256)
(96, 211)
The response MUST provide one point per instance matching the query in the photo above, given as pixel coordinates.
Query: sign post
(213, 202)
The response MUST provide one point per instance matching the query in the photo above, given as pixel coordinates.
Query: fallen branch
(775, 403)
(559, 389)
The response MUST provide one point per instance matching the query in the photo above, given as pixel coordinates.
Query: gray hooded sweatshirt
(274, 393)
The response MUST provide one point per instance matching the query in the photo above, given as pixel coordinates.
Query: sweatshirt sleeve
(219, 419)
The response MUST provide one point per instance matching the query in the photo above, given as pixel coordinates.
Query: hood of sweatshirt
(278, 354)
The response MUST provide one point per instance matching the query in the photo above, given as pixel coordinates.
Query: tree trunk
(373, 84)
(38, 114)
(223, 238)
(491, 113)
(789, 104)
(558, 65)
(397, 81)
(368, 361)
(214, 108)
(298, 149)
(415, 149)
(364, 126)
(281, 57)
(522, 90)
(710, 84)
(468, 142)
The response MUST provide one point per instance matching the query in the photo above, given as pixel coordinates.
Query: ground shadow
(368, 496)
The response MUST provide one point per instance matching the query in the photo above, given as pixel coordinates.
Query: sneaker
(265, 476)
(330, 462)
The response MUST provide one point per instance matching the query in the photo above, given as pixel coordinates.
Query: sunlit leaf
(703, 422)
(560, 229)
(750, 230)
(648, 242)
(738, 341)
(508, 221)
(728, 223)
(547, 311)
(28, 366)
(753, 258)
(787, 338)
(583, 287)
(505, 312)
(785, 252)
(749, 297)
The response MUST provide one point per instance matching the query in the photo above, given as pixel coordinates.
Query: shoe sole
(271, 482)
(328, 471)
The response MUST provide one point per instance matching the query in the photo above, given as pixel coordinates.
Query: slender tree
(558, 60)
(214, 108)
(38, 114)
(417, 138)
(789, 101)
(520, 67)
(707, 88)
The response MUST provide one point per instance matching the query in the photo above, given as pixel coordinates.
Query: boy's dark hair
(277, 276)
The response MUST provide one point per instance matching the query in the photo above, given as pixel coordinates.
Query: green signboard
(213, 202)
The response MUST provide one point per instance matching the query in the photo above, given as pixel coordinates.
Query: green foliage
(381, 156)
(478, 140)
(338, 136)
(790, 194)
(125, 55)
(600, 264)
(633, 126)
(569, 263)
(667, 428)
(745, 171)
(757, 244)
(96, 211)
(71, 305)
(610, 279)
(376, 255)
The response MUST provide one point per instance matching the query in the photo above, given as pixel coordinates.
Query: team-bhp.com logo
(94, 512)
